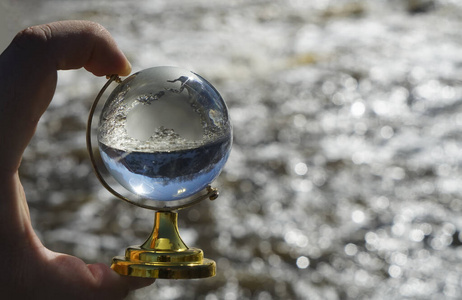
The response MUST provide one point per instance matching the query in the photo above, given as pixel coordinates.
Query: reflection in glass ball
(164, 133)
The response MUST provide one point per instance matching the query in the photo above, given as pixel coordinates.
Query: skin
(28, 75)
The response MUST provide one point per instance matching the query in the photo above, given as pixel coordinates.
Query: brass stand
(164, 255)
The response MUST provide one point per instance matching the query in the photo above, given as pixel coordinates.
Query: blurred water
(344, 179)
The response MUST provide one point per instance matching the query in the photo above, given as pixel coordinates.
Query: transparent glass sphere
(164, 133)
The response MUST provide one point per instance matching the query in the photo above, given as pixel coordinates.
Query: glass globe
(164, 133)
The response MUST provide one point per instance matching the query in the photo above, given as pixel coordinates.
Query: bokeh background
(344, 181)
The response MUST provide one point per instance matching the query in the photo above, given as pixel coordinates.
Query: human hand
(28, 75)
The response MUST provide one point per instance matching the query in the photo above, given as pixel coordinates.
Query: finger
(28, 75)
(111, 282)
(72, 45)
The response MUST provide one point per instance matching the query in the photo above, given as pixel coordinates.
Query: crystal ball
(164, 133)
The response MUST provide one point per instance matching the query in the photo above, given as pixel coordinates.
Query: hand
(28, 75)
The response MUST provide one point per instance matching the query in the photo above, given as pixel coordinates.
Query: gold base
(164, 255)
(164, 270)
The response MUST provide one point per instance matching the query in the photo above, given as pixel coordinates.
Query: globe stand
(164, 254)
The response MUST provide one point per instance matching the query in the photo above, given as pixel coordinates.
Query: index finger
(28, 74)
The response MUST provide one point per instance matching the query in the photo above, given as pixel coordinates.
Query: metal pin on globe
(163, 136)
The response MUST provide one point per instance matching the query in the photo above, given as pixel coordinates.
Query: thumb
(111, 281)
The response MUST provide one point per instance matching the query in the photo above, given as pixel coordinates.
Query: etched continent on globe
(164, 133)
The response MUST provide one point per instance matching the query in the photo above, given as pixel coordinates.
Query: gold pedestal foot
(164, 255)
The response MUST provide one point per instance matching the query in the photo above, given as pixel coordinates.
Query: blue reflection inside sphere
(164, 133)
